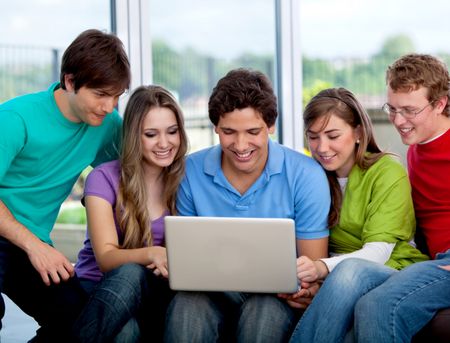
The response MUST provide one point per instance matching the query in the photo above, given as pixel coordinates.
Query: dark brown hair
(96, 59)
(242, 88)
(343, 104)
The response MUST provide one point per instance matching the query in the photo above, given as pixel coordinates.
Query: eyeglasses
(405, 113)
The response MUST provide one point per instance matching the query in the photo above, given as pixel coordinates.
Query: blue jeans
(127, 305)
(405, 303)
(228, 316)
(54, 307)
(330, 315)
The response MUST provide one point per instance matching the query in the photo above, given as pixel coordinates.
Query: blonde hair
(131, 206)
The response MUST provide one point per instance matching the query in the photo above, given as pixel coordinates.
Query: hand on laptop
(158, 257)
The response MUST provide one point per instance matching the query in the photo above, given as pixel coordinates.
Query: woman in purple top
(123, 264)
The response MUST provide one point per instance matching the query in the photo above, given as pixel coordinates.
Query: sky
(329, 28)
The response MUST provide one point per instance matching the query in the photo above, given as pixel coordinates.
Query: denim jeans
(228, 316)
(330, 315)
(405, 303)
(127, 305)
(54, 307)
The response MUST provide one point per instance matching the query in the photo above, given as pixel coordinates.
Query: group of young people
(355, 212)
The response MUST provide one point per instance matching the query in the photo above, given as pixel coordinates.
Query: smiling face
(244, 138)
(333, 144)
(425, 125)
(160, 137)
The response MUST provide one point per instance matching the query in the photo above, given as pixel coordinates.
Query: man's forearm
(14, 231)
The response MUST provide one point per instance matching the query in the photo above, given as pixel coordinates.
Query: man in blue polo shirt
(248, 175)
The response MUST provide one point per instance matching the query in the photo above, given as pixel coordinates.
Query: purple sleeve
(103, 182)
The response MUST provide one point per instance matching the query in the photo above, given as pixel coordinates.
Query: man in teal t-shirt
(46, 140)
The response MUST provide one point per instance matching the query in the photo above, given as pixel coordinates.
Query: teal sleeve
(12, 139)
(111, 148)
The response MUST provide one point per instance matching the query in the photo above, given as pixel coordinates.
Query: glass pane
(350, 44)
(197, 42)
(34, 36)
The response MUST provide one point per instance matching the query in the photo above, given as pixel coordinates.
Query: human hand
(158, 257)
(303, 297)
(309, 270)
(445, 267)
(51, 264)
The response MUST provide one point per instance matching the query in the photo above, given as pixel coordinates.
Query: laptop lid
(231, 254)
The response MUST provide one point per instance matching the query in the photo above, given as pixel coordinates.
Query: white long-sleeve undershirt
(378, 252)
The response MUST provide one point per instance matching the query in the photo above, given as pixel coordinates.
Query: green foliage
(72, 215)
(166, 66)
(396, 46)
(309, 92)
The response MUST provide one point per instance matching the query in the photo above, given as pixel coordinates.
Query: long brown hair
(131, 207)
(343, 104)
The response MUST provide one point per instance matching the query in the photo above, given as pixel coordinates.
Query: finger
(54, 277)
(63, 274)
(296, 304)
(445, 267)
(305, 284)
(69, 268)
(296, 295)
(156, 272)
(151, 266)
(303, 293)
(306, 276)
(164, 272)
(44, 277)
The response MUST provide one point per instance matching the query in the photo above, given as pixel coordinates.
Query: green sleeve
(390, 213)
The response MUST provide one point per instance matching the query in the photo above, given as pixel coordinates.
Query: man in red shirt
(418, 106)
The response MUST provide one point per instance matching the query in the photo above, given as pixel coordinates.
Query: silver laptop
(231, 254)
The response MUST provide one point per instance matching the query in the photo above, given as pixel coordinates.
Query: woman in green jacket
(372, 216)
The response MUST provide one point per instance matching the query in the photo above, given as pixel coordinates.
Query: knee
(128, 271)
(192, 317)
(355, 273)
(185, 303)
(265, 318)
(347, 273)
(267, 308)
(131, 273)
(127, 279)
